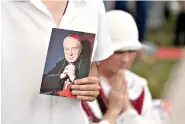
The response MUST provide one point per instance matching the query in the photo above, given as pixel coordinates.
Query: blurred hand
(86, 89)
(118, 98)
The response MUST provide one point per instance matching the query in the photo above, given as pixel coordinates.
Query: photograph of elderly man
(73, 65)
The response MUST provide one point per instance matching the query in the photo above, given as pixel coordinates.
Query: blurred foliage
(156, 72)
(163, 36)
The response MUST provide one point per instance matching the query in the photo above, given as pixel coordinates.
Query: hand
(118, 96)
(63, 75)
(71, 76)
(70, 67)
(70, 71)
(86, 89)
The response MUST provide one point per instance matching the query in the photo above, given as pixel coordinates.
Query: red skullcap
(75, 36)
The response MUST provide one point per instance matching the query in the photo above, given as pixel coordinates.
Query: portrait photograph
(68, 58)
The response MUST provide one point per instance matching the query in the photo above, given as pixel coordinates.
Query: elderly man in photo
(60, 79)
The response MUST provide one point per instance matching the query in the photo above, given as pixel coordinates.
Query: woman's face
(120, 60)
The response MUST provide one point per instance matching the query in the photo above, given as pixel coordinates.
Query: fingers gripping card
(68, 58)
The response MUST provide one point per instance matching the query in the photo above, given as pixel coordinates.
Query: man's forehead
(69, 41)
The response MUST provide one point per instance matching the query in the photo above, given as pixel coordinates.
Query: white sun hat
(123, 31)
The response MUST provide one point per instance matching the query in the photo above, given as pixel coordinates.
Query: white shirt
(26, 30)
(136, 85)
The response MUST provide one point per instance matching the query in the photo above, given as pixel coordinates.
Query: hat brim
(126, 46)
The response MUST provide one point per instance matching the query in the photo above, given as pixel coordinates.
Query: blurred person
(135, 106)
(179, 33)
(140, 15)
(26, 30)
(174, 91)
(156, 12)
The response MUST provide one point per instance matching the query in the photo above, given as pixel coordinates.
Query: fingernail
(73, 92)
(72, 86)
(78, 97)
(75, 82)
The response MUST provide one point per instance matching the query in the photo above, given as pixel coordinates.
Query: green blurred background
(155, 71)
